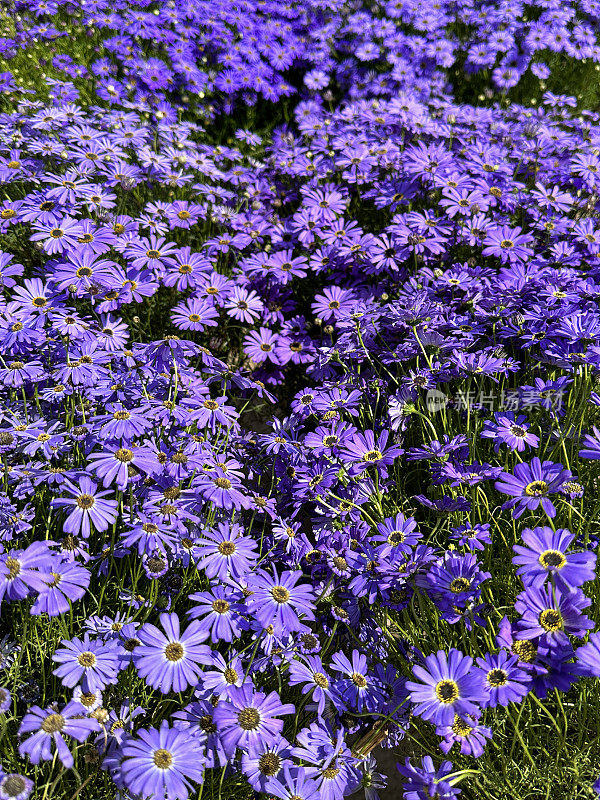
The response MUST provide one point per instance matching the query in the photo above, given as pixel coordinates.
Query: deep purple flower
(503, 679)
(67, 582)
(427, 782)
(15, 787)
(545, 556)
(448, 686)
(88, 505)
(249, 718)
(278, 600)
(531, 484)
(552, 614)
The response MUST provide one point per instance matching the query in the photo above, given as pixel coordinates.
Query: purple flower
(468, 733)
(67, 582)
(531, 484)
(221, 613)
(552, 614)
(510, 431)
(249, 718)
(224, 551)
(113, 466)
(160, 764)
(545, 556)
(260, 346)
(591, 446)
(293, 785)
(312, 677)
(88, 506)
(266, 763)
(448, 686)
(426, 782)
(94, 663)
(279, 601)
(170, 660)
(505, 682)
(48, 727)
(15, 787)
(364, 451)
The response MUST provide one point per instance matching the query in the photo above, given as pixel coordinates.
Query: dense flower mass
(300, 369)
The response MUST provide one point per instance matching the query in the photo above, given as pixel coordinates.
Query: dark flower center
(162, 759)
(222, 483)
(536, 488)
(524, 649)
(230, 675)
(269, 764)
(123, 455)
(249, 719)
(85, 501)
(551, 620)
(459, 585)
(226, 548)
(446, 691)
(280, 594)
(53, 723)
(497, 677)
(174, 651)
(321, 680)
(552, 559)
(220, 606)
(14, 785)
(461, 728)
(207, 724)
(86, 659)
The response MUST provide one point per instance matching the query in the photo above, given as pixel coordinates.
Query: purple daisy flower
(67, 582)
(160, 764)
(531, 484)
(505, 682)
(279, 601)
(467, 733)
(552, 615)
(426, 781)
(249, 718)
(48, 727)
(94, 663)
(220, 612)
(591, 446)
(88, 506)
(545, 556)
(225, 550)
(449, 686)
(15, 787)
(294, 785)
(170, 660)
(511, 431)
(113, 466)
